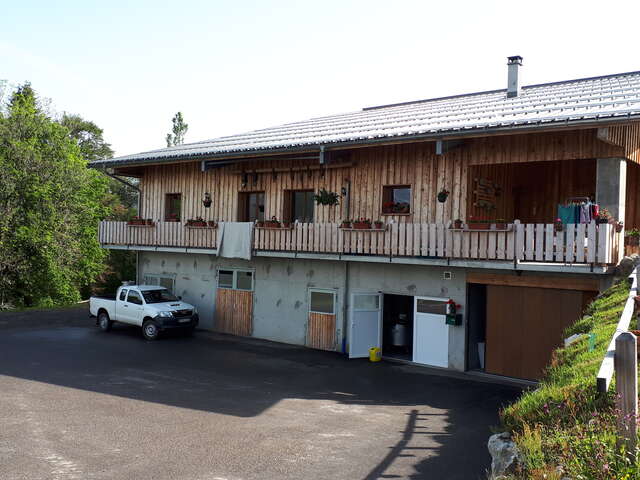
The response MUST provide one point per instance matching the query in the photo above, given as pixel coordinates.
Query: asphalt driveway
(76, 403)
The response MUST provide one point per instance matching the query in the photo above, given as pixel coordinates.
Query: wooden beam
(293, 169)
(537, 281)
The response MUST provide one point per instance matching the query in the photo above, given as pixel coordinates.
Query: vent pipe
(513, 81)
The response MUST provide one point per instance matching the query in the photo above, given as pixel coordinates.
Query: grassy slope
(565, 422)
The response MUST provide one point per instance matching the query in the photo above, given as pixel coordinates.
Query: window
(123, 295)
(396, 199)
(438, 307)
(366, 302)
(166, 281)
(235, 279)
(134, 297)
(158, 296)
(251, 207)
(322, 301)
(172, 206)
(299, 206)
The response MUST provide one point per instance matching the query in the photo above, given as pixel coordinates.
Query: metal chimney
(513, 82)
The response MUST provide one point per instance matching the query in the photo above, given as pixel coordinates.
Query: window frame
(244, 206)
(323, 290)
(234, 283)
(289, 206)
(384, 197)
(140, 297)
(169, 276)
(168, 198)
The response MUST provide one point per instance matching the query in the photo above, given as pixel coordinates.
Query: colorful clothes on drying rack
(568, 214)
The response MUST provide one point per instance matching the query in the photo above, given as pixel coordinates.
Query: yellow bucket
(375, 354)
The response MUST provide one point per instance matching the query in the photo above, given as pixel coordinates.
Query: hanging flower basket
(443, 195)
(324, 197)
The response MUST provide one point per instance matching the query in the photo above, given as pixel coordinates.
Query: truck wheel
(104, 322)
(150, 330)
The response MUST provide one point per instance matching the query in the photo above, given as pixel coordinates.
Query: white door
(365, 325)
(132, 309)
(430, 332)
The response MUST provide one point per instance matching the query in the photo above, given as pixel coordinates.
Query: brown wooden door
(234, 311)
(321, 331)
(525, 325)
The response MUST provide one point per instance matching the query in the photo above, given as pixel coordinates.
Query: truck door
(132, 309)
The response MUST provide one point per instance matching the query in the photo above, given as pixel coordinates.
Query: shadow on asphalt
(244, 377)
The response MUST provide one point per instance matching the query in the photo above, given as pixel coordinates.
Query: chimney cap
(515, 60)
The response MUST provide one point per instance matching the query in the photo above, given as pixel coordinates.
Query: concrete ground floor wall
(281, 290)
(281, 286)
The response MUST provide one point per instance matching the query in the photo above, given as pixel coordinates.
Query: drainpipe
(345, 308)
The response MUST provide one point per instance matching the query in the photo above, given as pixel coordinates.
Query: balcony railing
(575, 244)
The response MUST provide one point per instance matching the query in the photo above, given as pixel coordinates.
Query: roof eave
(450, 134)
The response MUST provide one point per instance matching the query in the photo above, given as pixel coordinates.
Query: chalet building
(463, 232)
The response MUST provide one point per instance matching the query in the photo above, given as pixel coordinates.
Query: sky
(236, 66)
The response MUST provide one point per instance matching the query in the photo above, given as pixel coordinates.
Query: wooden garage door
(525, 325)
(234, 311)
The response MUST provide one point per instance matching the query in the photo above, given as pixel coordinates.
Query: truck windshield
(158, 296)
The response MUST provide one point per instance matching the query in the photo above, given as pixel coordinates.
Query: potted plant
(501, 224)
(632, 237)
(324, 197)
(273, 223)
(137, 221)
(457, 224)
(603, 216)
(172, 218)
(378, 225)
(196, 222)
(259, 224)
(619, 226)
(362, 224)
(443, 195)
(479, 224)
(558, 226)
(346, 224)
(149, 222)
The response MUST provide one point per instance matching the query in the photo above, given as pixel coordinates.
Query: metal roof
(594, 100)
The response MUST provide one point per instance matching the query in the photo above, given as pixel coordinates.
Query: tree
(179, 130)
(121, 200)
(50, 207)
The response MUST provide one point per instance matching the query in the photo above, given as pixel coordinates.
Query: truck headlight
(165, 314)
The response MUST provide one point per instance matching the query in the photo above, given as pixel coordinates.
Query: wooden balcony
(589, 244)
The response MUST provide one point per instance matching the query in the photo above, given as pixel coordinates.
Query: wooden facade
(364, 171)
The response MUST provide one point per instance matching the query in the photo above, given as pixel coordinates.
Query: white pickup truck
(151, 307)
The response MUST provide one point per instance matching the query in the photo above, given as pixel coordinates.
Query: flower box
(501, 226)
(362, 225)
(378, 225)
(212, 224)
(632, 241)
(345, 224)
(479, 226)
(140, 222)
